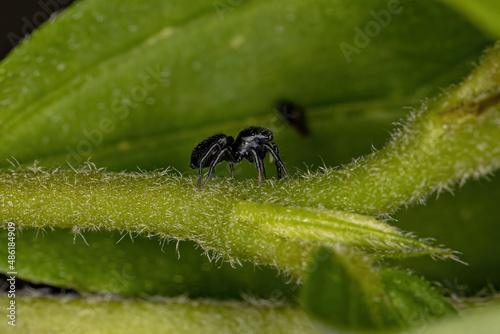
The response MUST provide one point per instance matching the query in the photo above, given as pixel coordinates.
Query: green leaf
(134, 265)
(133, 84)
(345, 291)
(411, 299)
(484, 13)
(331, 226)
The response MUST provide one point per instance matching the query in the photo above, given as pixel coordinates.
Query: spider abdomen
(206, 151)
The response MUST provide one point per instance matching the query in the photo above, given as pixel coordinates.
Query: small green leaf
(411, 299)
(333, 226)
(345, 291)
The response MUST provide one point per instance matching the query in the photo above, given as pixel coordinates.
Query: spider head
(265, 135)
(256, 134)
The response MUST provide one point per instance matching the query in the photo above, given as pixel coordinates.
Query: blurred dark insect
(294, 115)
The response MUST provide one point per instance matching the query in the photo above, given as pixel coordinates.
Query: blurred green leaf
(484, 13)
(467, 221)
(345, 291)
(480, 320)
(176, 315)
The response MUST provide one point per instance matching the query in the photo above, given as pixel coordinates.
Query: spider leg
(200, 176)
(200, 172)
(263, 170)
(275, 148)
(279, 164)
(213, 164)
(260, 166)
(232, 169)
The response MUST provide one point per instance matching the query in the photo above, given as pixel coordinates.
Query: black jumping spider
(252, 143)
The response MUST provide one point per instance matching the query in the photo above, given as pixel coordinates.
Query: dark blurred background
(20, 18)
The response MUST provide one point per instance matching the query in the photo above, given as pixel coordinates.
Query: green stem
(217, 219)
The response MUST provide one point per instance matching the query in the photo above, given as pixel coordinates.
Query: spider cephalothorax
(252, 144)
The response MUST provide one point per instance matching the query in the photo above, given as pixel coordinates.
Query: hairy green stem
(219, 219)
